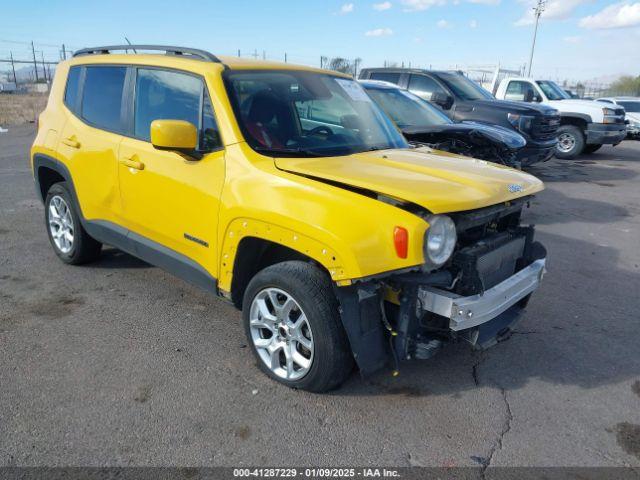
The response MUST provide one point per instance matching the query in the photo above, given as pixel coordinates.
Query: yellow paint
(176, 134)
(236, 193)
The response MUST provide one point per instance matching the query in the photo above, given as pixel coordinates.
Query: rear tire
(570, 142)
(69, 240)
(592, 148)
(293, 325)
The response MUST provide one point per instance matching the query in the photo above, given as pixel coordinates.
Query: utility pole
(13, 67)
(285, 57)
(64, 52)
(35, 63)
(537, 11)
(44, 68)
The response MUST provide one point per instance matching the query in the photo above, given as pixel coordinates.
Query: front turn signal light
(401, 241)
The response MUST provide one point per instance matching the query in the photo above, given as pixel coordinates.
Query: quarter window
(423, 86)
(102, 97)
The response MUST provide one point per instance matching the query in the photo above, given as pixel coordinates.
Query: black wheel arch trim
(123, 239)
(576, 116)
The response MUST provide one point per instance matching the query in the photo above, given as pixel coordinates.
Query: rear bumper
(605, 134)
(468, 312)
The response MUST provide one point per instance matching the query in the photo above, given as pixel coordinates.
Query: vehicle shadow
(116, 259)
(565, 337)
(582, 169)
(554, 207)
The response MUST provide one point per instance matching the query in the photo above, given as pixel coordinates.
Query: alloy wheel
(281, 333)
(60, 224)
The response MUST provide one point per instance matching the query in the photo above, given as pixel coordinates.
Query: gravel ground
(118, 363)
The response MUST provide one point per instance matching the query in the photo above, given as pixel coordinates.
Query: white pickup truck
(585, 125)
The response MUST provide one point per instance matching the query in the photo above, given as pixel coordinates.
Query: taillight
(401, 241)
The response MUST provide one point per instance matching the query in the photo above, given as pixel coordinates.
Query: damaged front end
(476, 297)
(485, 142)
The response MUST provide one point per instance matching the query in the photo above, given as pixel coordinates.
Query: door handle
(133, 162)
(71, 142)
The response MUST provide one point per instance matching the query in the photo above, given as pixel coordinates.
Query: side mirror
(175, 135)
(529, 96)
(443, 100)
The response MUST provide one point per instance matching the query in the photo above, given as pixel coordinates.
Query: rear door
(170, 199)
(94, 100)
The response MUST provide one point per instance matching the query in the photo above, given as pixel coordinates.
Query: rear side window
(165, 95)
(72, 91)
(386, 77)
(102, 97)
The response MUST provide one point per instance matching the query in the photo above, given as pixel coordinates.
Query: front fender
(349, 233)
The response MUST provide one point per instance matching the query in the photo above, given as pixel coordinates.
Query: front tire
(292, 323)
(570, 142)
(69, 240)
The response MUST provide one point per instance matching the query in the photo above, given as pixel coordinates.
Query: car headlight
(610, 115)
(439, 241)
(523, 123)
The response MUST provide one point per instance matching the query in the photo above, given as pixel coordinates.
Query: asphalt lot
(118, 363)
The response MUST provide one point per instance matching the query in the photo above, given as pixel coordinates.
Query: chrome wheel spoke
(60, 222)
(288, 349)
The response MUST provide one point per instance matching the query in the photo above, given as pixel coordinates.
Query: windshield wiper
(275, 152)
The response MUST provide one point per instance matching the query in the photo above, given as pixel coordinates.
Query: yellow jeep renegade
(287, 191)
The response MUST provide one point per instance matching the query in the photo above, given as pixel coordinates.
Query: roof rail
(180, 51)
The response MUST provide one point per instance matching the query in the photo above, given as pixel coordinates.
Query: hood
(581, 106)
(505, 137)
(523, 108)
(441, 183)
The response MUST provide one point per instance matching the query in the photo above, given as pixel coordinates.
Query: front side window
(72, 90)
(306, 113)
(164, 95)
(102, 97)
(424, 87)
(406, 109)
(521, 91)
(552, 90)
(464, 88)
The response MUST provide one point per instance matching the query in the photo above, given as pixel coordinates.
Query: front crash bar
(468, 312)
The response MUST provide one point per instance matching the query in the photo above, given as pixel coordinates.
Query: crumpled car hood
(439, 182)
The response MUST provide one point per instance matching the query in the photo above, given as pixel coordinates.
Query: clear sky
(578, 39)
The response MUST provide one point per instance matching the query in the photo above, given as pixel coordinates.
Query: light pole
(537, 11)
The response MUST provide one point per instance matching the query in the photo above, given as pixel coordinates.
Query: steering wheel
(321, 129)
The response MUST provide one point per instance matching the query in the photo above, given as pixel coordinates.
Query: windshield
(632, 107)
(308, 114)
(464, 88)
(406, 109)
(552, 90)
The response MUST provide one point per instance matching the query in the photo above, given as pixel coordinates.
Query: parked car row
(549, 119)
